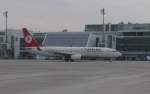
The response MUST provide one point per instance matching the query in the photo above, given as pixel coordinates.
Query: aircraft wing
(59, 53)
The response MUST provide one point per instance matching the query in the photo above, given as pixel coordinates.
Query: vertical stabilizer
(30, 41)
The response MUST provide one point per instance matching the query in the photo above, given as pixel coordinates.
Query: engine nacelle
(76, 56)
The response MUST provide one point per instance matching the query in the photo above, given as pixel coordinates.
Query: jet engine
(76, 56)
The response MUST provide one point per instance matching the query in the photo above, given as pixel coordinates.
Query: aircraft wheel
(71, 60)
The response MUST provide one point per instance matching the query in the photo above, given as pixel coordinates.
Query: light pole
(6, 16)
(6, 40)
(103, 34)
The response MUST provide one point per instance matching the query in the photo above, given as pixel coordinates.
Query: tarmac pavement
(81, 77)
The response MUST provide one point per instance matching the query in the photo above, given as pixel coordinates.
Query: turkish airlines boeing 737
(68, 53)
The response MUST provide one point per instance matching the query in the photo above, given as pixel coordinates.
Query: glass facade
(141, 44)
(2, 33)
(117, 27)
(94, 27)
(1, 39)
(66, 39)
(110, 39)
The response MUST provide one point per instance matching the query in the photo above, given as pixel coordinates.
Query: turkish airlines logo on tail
(28, 39)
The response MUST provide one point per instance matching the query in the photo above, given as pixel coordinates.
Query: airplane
(67, 53)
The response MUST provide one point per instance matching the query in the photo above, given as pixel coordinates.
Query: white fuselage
(82, 51)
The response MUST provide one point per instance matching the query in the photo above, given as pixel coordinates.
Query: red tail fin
(30, 41)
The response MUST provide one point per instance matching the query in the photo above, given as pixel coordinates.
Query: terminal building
(10, 48)
(132, 40)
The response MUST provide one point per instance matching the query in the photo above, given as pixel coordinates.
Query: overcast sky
(56, 15)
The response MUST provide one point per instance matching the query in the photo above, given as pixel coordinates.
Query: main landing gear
(68, 58)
